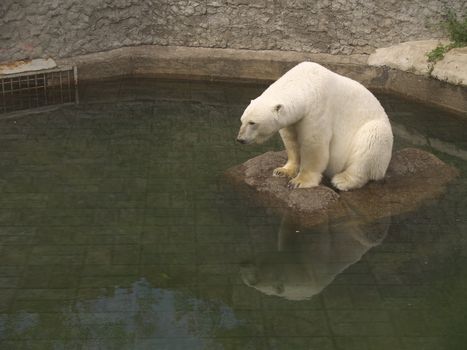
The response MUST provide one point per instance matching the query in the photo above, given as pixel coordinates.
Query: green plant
(437, 54)
(457, 29)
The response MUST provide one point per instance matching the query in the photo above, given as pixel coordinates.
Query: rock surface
(68, 28)
(453, 67)
(412, 57)
(413, 177)
(27, 66)
(408, 57)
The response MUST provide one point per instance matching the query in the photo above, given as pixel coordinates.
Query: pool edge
(236, 65)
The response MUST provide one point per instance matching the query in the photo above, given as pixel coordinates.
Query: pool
(119, 231)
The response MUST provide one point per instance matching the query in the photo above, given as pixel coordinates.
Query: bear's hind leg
(349, 179)
(370, 156)
(290, 169)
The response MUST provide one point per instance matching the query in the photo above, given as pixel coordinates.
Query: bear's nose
(242, 141)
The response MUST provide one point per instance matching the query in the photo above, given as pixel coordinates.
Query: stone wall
(62, 28)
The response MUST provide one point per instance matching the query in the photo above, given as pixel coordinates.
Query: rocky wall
(63, 28)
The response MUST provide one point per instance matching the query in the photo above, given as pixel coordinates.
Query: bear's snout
(245, 135)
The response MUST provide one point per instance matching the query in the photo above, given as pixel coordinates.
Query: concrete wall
(62, 28)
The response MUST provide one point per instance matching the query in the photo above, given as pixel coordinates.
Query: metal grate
(38, 89)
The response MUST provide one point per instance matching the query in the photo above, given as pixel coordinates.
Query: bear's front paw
(284, 172)
(305, 181)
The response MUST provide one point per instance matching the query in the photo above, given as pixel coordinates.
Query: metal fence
(32, 90)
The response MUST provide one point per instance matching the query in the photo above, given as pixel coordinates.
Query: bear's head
(260, 121)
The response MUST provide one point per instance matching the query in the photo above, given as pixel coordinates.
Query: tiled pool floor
(118, 231)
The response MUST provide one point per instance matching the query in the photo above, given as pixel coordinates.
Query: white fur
(329, 124)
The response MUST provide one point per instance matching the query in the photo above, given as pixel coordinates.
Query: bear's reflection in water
(307, 261)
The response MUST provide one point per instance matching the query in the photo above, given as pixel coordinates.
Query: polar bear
(329, 125)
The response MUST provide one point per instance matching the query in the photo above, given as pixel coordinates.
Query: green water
(118, 231)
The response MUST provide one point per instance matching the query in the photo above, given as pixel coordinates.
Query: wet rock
(413, 177)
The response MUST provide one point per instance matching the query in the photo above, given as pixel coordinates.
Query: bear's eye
(251, 123)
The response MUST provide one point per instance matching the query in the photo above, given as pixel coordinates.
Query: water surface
(118, 231)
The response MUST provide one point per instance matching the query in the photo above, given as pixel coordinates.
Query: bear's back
(306, 70)
(305, 76)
